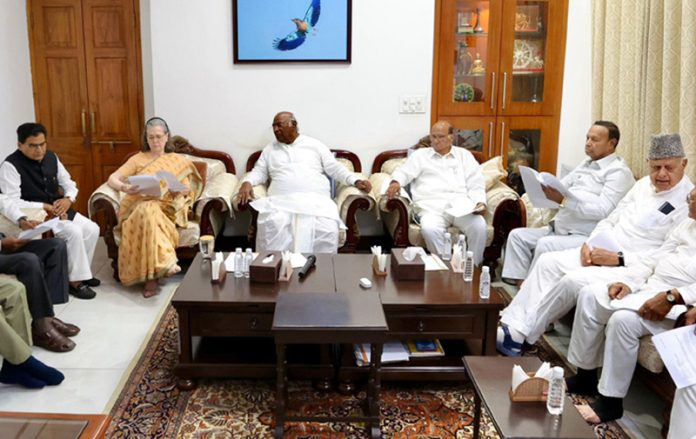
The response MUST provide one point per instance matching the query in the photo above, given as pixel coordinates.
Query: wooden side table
(492, 376)
(329, 318)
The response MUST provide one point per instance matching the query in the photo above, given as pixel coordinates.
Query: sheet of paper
(147, 184)
(38, 230)
(433, 263)
(173, 183)
(532, 183)
(463, 206)
(677, 347)
(605, 240)
(297, 260)
(634, 301)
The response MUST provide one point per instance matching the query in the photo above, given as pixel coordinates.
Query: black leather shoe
(82, 292)
(94, 282)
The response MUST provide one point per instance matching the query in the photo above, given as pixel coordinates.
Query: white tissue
(410, 253)
(519, 375)
(215, 266)
(268, 259)
(381, 259)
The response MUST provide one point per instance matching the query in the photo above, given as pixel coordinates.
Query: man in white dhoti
(637, 227)
(654, 292)
(34, 177)
(447, 189)
(597, 185)
(298, 214)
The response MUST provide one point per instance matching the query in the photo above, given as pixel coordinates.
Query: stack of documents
(392, 352)
(532, 184)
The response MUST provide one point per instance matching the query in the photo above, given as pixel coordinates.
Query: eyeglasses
(438, 137)
(37, 145)
(157, 137)
(280, 124)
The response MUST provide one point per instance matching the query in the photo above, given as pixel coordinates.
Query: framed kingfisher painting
(291, 31)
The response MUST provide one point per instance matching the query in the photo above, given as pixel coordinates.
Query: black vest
(39, 179)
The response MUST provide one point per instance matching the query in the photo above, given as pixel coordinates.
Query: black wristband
(621, 259)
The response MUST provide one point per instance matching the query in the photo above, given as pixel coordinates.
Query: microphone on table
(311, 261)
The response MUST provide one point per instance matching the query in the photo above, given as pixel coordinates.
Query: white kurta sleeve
(688, 293)
(66, 182)
(9, 209)
(405, 173)
(11, 185)
(597, 207)
(609, 222)
(334, 169)
(259, 174)
(474, 179)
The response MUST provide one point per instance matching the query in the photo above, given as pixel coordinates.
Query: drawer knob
(254, 322)
(421, 326)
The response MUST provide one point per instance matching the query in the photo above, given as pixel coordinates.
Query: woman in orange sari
(149, 238)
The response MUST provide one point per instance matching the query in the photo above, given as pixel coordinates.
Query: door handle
(83, 119)
(92, 123)
(504, 88)
(502, 138)
(492, 90)
(490, 139)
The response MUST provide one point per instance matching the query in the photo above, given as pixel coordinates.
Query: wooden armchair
(348, 200)
(209, 210)
(505, 210)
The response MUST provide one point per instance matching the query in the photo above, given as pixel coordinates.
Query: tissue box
(265, 273)
(406, 270)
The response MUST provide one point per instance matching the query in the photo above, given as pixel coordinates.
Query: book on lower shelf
(392, 352)
(425, 348)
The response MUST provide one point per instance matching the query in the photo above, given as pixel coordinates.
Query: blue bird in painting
(295, 39)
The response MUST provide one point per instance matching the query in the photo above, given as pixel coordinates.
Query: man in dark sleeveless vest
(34, 177)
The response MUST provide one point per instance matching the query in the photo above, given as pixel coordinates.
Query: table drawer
(230, 324)
(464, 325)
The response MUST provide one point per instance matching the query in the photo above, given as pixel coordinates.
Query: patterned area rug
(151, 406)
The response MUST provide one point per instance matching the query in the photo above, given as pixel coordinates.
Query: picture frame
(291, 31)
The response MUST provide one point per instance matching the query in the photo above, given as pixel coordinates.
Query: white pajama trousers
(681, 421)
(434, 225)
(280, 230)
(609, 339)
(526, 244)
(80, 236)
(551, 290)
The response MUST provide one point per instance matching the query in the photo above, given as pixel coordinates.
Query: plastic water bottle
(556, 395)
(485, 283)
(462, 249)
(447, 251)
(248, 257)
(238, 262)
(468, 273)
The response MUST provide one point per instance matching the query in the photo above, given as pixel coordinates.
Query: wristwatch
(671, 298)
(621, 259)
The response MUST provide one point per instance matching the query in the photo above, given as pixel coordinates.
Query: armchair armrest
(214, 201)
(260, 191)
(349, 199)
(394, 213)
(506, 211)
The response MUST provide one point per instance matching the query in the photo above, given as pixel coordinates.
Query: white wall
(220, 105)
(16, 99)
(576, 110)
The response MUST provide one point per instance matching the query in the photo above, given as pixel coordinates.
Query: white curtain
(644, 73)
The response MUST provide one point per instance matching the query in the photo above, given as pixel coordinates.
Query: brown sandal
(53, 340)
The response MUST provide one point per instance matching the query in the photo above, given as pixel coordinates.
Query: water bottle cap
(248, 250)
(238, 249)
(557, 372)
(448, 235)
(485, 269)
(470, 254)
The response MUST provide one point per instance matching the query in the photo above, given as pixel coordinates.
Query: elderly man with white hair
(639, 225)
(606, 336)
(298, 214)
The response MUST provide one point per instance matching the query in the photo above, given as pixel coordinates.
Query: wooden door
(87, 84)
(529, 141)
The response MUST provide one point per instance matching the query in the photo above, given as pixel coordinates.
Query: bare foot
(588, 414)
(174, 270)
(150, 288)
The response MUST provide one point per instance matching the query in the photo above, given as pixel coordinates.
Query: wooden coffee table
(225, 329)
(441, 306)
(491, 377)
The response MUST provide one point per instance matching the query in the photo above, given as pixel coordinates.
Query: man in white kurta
(604, 335)
(35, 178)
(596, 186)
(447, 188)
(639, 225)
(298, 214)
